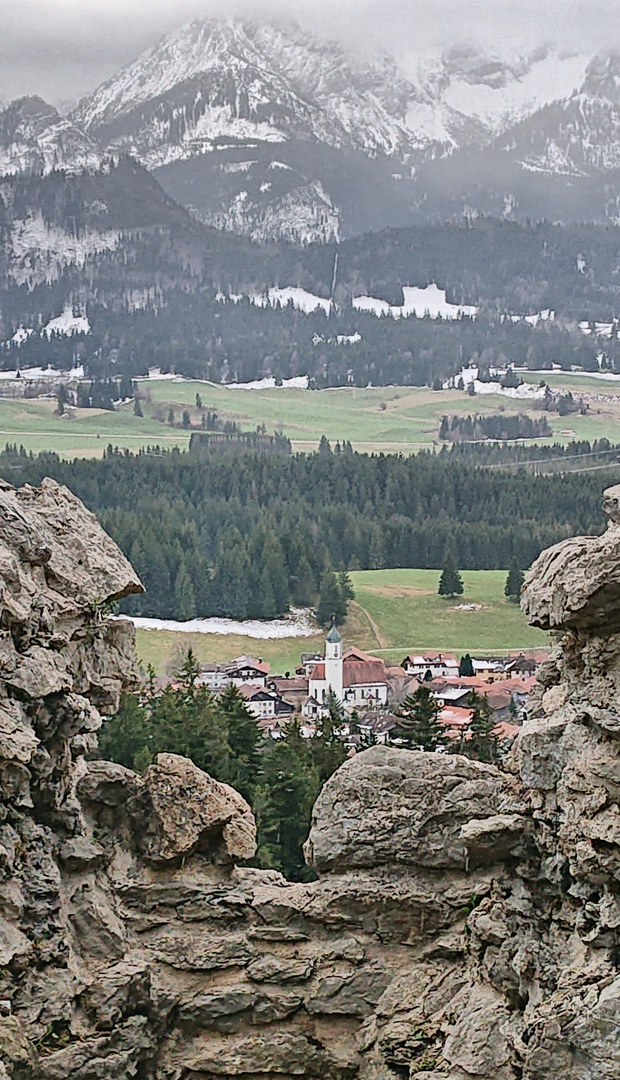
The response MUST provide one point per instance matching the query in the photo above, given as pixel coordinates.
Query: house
(431, 665)
(521, 665)
(245, 669)
(489, 667)
(308, 661)
(264, 704)
(294, 691)
(356, 678)
(374, 725)
(400, 685)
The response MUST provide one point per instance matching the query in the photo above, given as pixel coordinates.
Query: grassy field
(402, 419)
(395, 611)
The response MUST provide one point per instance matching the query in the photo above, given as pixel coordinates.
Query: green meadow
(388, 419)
(395, 612)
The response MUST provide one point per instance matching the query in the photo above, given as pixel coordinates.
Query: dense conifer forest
(247, 534)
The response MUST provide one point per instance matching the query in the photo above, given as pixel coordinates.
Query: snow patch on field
(430, 301)
(300, 382)
(36, 374)
(298, 624)
(21, 335)
(67, 324)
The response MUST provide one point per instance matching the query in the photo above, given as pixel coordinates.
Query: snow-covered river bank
(298, 624)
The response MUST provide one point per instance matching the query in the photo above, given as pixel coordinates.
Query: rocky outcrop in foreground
(465, 921)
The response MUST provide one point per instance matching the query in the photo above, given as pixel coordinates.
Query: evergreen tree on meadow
(466, 666)
(419, 726)
(137, 407)
(450, 582)
(514, 583)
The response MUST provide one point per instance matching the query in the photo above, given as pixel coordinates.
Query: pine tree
(346, 585)
(186, 420)
(244, 739)
(450, 582)
(480, 743)
(170, 419)
(419, 726)
(137, 407)
(514, 583)
(189, 670)
(332, 603)
(466, 666)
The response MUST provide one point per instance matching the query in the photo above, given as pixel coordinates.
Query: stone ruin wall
(465, 921)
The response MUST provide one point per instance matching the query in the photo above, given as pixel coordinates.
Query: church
(357, 679)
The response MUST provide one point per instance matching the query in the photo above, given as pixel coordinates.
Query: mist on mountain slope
(62, 49)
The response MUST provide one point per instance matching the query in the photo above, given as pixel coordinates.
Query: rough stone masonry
(465, 921)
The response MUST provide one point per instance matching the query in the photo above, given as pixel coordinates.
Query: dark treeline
(503, 426)
(575, 455)
(245, 535)
(200, 337)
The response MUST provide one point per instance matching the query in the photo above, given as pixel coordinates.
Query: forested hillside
(244, 535)
(158, 288)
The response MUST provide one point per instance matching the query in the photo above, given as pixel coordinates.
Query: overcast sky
(61, 49)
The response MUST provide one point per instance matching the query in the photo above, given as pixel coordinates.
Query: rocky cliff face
(464, 923)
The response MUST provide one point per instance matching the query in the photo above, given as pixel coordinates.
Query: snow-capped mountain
(35, 138)
(497, 91)
(231, 80)
(577, 135)
(270, 132)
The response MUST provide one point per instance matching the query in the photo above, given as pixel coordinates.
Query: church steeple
(333, 661)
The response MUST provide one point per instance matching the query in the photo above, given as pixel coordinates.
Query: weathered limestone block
(273, 969)
(387, 806)
(107, 783)
(284, 1054)
(577, 582)
(577, 1036)
(189, 949)
(18, 741)
(180, 809)
(117, 991)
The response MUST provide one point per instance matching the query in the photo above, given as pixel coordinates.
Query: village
(371, 693)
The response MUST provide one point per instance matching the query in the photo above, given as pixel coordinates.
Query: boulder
(181, 809)
(387, 806)
(576, 584)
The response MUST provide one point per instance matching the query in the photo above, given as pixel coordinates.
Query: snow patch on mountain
(39, 252)
(305, 215)
(67, 324)
(430, 301)
(299, 298)
(297, 624)
(501, 91)
(298, 382)
(35, 138)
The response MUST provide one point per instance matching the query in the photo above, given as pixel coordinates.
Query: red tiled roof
(521, 686)
(505, 730)
(356, 654)
(282, 685)
(359, 673)
(453, 716)
(249, 690)
(318, 672)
